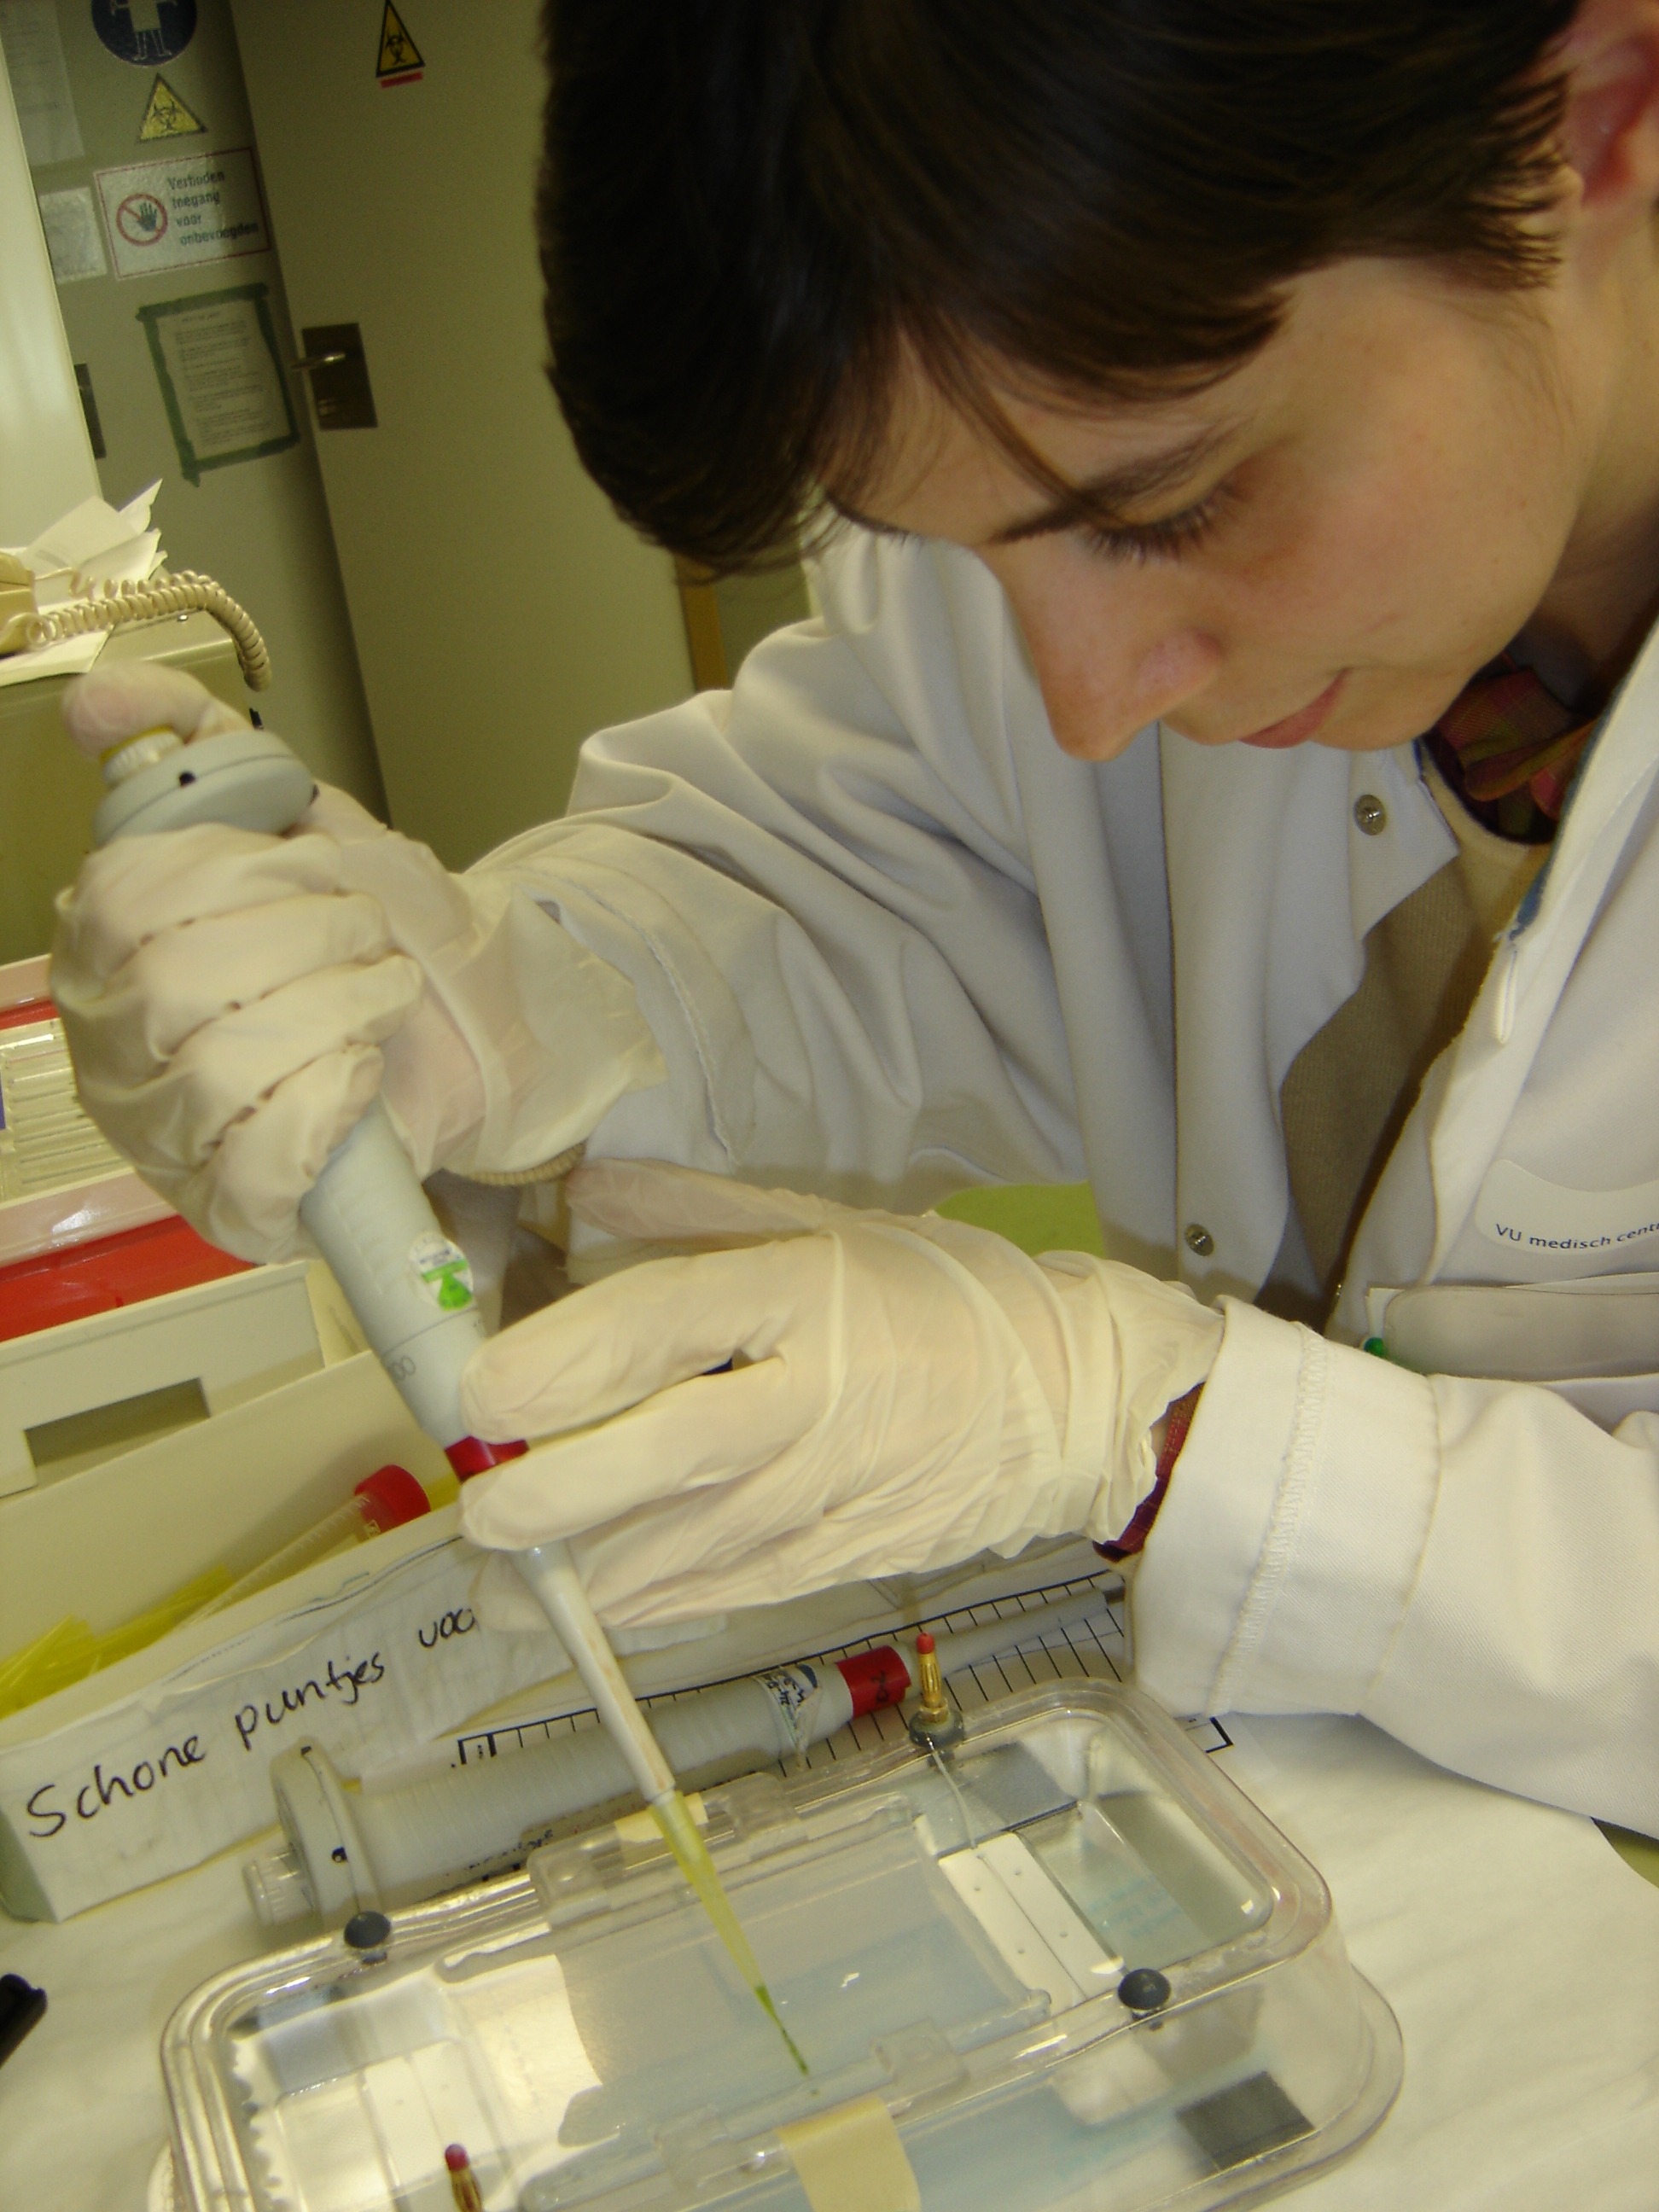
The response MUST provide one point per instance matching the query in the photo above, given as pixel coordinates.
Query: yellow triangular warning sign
(399, 55)
(166, 116)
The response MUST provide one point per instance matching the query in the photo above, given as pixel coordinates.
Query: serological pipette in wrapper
(408, 1283)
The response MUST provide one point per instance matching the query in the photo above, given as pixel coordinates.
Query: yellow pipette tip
(771, 2012)
(679, 1832)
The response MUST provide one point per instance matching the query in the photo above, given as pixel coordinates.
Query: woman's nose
(1098, 698)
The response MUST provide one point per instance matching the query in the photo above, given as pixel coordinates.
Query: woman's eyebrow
(1102, 500)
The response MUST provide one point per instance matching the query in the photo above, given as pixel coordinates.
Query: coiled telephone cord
(109, 606)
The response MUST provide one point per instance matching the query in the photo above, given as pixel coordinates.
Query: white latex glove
(908, 1392)
(233, 1002)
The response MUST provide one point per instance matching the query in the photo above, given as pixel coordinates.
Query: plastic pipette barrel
(385, 1500)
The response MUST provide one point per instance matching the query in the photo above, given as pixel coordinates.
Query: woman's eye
(1166, 539)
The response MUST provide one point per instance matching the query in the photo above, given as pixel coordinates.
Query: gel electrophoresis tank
(1068, 1965)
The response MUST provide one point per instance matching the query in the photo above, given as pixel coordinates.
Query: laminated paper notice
(165, 1777)
(221, 381)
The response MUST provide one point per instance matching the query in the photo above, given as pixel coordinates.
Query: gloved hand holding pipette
(905, 1393)
(227, 1061)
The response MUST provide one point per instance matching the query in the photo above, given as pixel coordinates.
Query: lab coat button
(1200, 1240)
(1370, 814)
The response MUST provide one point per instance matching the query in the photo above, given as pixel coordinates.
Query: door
(501, 611)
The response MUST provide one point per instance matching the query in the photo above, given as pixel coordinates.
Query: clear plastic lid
(1067, 1965)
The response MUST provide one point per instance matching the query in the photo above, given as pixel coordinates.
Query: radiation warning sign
(400, 61)
(166, 116)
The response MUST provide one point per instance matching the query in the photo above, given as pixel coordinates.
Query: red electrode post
(462, 2185)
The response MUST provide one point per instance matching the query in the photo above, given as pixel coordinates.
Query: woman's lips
(1296, 729)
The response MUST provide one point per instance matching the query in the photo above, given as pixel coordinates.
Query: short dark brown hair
(748, 207)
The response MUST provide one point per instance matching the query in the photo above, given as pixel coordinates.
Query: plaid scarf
(1510, 750)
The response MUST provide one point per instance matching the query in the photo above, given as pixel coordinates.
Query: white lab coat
(890, 940)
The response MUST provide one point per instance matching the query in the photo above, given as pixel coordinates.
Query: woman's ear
(1610, 130)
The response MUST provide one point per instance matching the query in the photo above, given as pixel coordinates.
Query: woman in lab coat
(1217, 412)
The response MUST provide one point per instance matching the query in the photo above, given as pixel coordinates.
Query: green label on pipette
(443, 1270)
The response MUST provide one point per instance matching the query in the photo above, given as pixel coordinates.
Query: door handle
(333, 365)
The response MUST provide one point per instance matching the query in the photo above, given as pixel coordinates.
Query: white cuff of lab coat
(1285, 1556)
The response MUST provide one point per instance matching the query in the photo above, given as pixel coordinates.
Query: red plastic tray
(114, 1271)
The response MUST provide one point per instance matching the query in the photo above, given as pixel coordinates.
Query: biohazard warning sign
(166, 116)
(400, 61)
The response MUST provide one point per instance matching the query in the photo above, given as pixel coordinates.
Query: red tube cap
(876, 1678)
(924, 1643)
(391, 1496)
(471, 1455)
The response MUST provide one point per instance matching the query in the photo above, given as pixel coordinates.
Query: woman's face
(1327, 544)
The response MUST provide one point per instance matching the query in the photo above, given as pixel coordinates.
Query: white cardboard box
(162, 1760)
(232, 1339)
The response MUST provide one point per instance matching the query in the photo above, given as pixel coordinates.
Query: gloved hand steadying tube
(906, 1392)
(233, 1002)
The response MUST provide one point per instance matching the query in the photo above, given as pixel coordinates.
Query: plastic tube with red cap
(433, 1831)
(385, 1500)
(463, 2186)
(463, 1823)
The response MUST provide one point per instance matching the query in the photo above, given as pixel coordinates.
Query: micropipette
(408, 1283)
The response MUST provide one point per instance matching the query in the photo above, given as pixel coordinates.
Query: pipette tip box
(1068, 1965)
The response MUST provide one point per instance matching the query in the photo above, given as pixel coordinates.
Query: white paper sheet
(98, 543)
(73, 240)
(1521, 1956)
(93, 528)
(161, 1778)
(40, 81)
